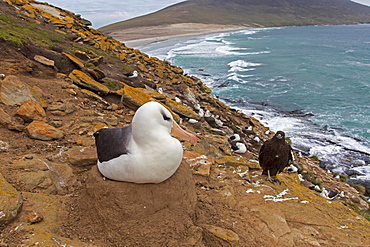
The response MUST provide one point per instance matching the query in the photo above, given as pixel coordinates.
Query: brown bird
(275, 155)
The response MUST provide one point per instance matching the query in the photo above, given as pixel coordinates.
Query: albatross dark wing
(111, 143)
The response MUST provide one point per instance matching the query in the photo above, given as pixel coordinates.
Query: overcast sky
(104, 12)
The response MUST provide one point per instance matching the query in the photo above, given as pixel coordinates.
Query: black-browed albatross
(144, 152)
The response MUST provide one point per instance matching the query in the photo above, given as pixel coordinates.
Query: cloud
(104, 12)
(364, 2)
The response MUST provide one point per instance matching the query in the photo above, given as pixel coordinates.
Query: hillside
(252, 13)
(62, 80)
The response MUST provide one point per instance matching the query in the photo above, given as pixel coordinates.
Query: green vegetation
(363, 213)
(128, 68)
(343, 178)
(289, 141)
(314, 157)
(311, 177)
(18, 33)
(361, 189)
(111, 84)
(211, 131)
(234, 128)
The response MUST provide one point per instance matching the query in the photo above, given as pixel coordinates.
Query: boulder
(61, 109)
(82, 156)
(81, 55)
(94, 96)
(14, 91)
(237, 161)
(43, 60)
(31, 110)
(199, 163)
(75, 60)
(10, 202)
(96, 60)
(133, 97)
(5, 119)
(37, 174)
(221, 236)
(84, 80)
(43, 131)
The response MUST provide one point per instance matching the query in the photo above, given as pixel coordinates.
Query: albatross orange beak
(182, 134)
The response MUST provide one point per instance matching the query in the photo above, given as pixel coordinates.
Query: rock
(182, 109)
(82, 156)
(94, 96)
(10, 202)
(113, 107)
(97, 74)
(14, 91)
(75, 60)
(71, 91)
(237, 161)
(12, 123)
(82, 79)
(222, 235)
(44, 60)
(132, 97)
(17, 124)
(5, 119)
(31, 110)
(172, 104)
(200, 164)
(4, 146)
(41, 175)
(96, 61)
(35, 217)
(39, 94)
(61, 109)
(43, 131)
(82, 55)
(276, 223)
(100, 126)
(57, 123)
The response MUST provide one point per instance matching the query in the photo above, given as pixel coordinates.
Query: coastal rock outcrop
(216, 198)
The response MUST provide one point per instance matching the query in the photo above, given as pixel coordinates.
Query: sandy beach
(134, 37)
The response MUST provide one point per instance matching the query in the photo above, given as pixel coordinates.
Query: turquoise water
(311, 82)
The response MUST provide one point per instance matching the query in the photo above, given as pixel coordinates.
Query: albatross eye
(165, 118)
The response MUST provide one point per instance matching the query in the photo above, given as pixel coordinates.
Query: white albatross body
(144, 152)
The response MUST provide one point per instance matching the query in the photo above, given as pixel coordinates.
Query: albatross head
(153, 120)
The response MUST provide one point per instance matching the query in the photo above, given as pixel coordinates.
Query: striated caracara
(275, 155)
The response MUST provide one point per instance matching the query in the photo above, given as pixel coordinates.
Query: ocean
(312, 82)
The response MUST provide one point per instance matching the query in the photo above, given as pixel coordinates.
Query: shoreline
(135, 37)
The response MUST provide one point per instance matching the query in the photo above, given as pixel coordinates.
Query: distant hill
(254, 13)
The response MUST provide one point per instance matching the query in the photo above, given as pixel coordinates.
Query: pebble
(34, 217)
(28, 156)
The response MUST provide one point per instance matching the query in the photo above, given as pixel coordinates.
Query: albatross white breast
(144, 152)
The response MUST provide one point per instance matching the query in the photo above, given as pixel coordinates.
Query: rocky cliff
(62, 80)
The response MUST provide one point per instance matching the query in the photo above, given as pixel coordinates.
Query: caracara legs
(272, 179)
(269, 177)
